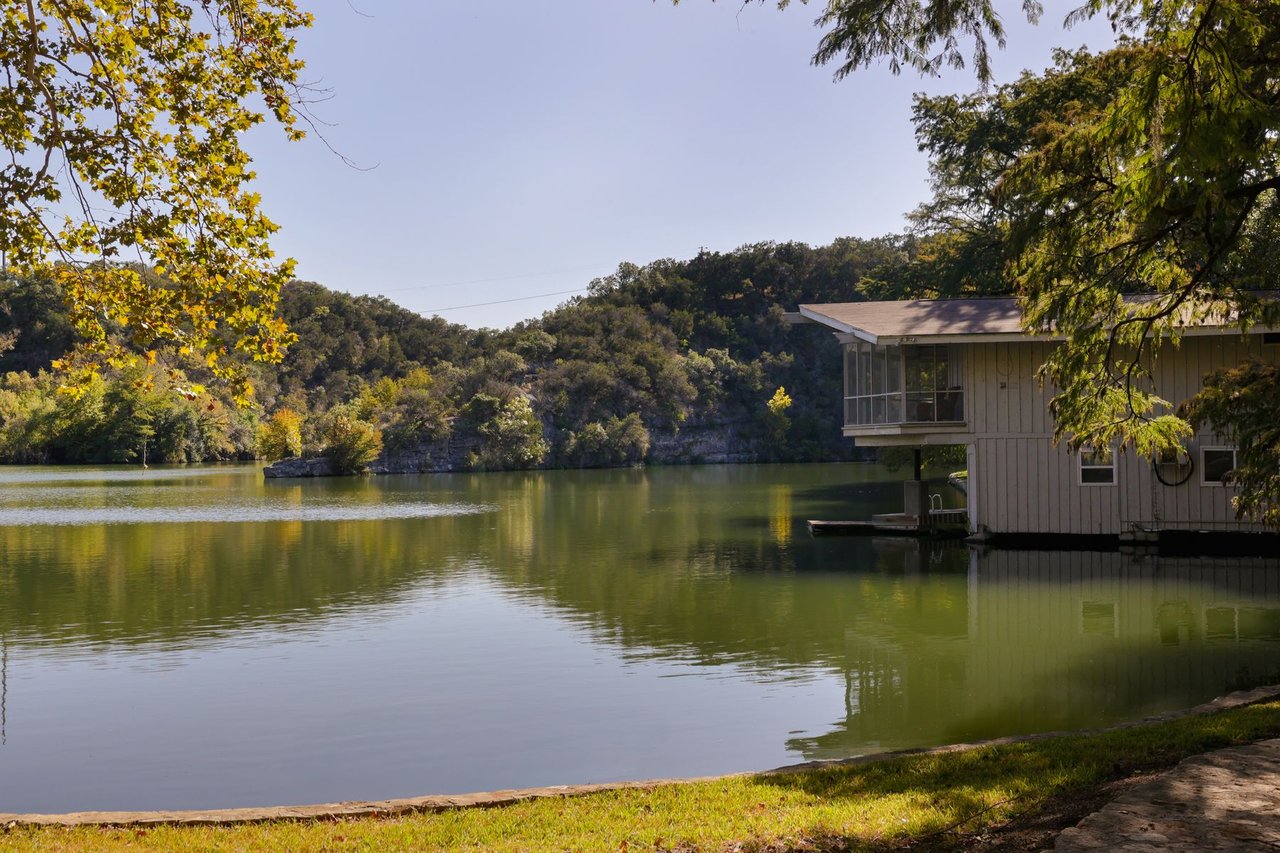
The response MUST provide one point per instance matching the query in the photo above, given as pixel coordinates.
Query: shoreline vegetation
(675, 362)
(1013, 795)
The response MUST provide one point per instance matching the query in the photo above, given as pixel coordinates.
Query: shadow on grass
(941, 798)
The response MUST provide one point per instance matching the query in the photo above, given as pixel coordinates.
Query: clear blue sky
(523, 148)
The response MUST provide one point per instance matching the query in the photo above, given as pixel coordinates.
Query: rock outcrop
(436, 457)
(711, 444)
(296, 466)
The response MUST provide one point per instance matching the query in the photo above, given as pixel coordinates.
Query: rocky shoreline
(297, 466)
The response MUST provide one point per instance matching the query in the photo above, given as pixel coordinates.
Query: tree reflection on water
(932, 643)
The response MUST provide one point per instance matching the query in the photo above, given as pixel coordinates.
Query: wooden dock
(939, 524)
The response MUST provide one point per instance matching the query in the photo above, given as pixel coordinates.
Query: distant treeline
(650, 352)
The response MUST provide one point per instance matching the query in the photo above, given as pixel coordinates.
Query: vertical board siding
(1024, 484)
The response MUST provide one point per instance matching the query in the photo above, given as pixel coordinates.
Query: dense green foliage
(675, 347)
(136, 415)
(704, 343)
(1244, 401)
(617, 442)
(510, 433)
(346, 342)
(661, 352)
(350, 443)
(652, 357)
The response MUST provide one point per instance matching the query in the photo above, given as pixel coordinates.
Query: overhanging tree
(1157, 174)
(121, 124)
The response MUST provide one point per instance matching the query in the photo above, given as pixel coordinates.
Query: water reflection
(444, 633)
(1040, 640)
(4, 690)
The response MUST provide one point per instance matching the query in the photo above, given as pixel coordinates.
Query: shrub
(511, 438)
(619, 441)
(420, 416)
(281, 435)
(628, 439)
(352, 444)
(776, 422)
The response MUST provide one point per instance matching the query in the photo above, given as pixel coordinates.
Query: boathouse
(963, 371)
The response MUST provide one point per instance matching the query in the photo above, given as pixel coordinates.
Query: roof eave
(847, 332)
(831, 322)
(968, 338)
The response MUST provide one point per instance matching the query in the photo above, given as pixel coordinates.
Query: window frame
(877, 391)
(1204, 468)
(1087, 450)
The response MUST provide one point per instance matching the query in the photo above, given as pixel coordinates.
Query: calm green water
(202, 638)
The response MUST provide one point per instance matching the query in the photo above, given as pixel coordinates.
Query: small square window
(1271, 337)
(1097, 466)
(1215, 463)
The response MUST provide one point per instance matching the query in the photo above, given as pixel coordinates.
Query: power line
(493, 279)
(460, 283)
(505, 301)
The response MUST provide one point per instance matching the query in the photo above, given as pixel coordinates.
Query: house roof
(917, 318)
(948, 320)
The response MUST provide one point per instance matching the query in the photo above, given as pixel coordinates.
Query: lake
(202, 638)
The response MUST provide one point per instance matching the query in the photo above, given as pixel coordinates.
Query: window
(1097, 466)
(872, 384)
(902, 384)
(1271, 337)
(935, 392)
(1215, 463)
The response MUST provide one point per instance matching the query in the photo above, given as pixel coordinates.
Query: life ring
(1156, 465)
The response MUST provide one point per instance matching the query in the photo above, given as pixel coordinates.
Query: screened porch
(908, 384)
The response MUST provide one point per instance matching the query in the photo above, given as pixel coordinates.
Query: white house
(962, 371)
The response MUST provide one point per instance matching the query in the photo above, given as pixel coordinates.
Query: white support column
(971, 484)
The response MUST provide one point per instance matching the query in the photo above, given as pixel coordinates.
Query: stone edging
(492, 799)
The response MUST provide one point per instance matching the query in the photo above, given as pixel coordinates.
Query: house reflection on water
(1056, 640)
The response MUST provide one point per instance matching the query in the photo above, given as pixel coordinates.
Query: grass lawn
(1012, 795)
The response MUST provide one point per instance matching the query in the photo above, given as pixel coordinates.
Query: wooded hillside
(674, 361)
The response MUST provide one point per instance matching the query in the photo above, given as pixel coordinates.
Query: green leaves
(920, 35)
(124, 123)
(510, 433)
(1158, 188)
(1242, 403)
(350, 443)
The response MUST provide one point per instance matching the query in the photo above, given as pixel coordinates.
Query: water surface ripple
(234, 514)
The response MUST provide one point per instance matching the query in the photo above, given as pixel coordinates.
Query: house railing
(906, 408)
